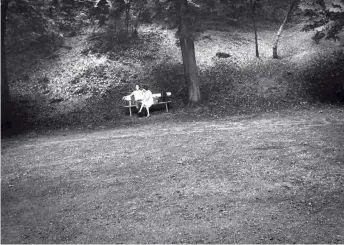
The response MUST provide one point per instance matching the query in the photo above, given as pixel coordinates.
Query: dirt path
(272, 178)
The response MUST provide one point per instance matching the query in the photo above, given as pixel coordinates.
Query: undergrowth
(324, 79)
(84, 82)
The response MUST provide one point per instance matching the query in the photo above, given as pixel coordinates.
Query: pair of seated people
(143, 98)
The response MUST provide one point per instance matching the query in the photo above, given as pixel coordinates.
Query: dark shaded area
(24, 115)
(18, 118)
(170, 77)
(324, 80)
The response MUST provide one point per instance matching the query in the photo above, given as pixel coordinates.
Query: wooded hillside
(71, 62)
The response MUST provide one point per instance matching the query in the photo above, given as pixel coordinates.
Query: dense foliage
(324, 16)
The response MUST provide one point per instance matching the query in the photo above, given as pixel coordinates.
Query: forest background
(69, 63)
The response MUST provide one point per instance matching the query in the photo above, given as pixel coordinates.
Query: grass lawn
(268, 178)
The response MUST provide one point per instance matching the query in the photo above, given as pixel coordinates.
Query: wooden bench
(130, 103)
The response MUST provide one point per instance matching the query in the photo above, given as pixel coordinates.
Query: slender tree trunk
(254, 4)
(189, 58)
(126, 21)
(5, 92)
(127, 15)
(280, 30)
(255, 37)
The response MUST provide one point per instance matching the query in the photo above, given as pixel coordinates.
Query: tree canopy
(324, 16)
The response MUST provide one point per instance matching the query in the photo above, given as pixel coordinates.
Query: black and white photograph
(172, 122)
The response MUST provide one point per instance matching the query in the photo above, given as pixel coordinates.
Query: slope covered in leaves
(83, 81)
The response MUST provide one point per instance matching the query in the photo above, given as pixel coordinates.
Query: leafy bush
(28, 23)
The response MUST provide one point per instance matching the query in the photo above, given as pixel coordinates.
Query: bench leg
(166, 107)
(130, 107)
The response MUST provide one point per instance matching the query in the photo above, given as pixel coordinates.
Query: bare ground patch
(273, 178)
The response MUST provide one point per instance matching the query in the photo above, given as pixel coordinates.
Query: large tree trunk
(5, 93)
(190, 69)
(188, 55)
(280, 30)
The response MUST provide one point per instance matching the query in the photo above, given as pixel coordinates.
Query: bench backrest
(157, 95)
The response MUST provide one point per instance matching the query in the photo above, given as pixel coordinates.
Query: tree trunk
(127, 20)
(189, 58)
(190, 69)
(254, 4)
(127, 15)
(255, 37)
(280, 30)
(5, 92)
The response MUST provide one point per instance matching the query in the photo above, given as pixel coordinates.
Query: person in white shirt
(138, 96)
(147, 100)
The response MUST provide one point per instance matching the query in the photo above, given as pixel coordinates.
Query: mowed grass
(269, 178)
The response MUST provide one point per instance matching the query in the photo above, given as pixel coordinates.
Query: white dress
(147, 98)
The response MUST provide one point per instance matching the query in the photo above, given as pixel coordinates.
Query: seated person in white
(147, 100)
(138, 96)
